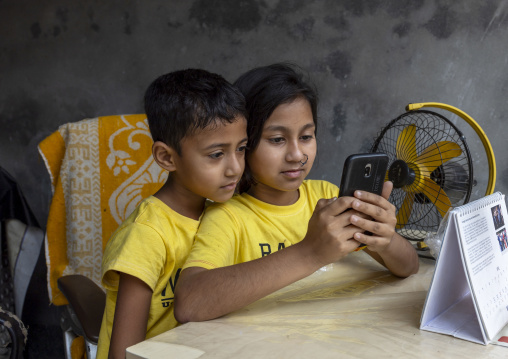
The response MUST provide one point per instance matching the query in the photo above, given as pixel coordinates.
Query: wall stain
(19, 118)
(303, 29)
(127, 30)
(355, 7)
(490, 15)
(174, 24)
(339, 121)
(36, 30)
(230, 15)
(56, 31)
(62, 18)
(62, 14)
(361, 8)
(289, 6)
(503, 178)
(93, 25)
(443, 23)
(366, 145)
(402, 29)
(395, 9)
(337, 22)
(339, 64)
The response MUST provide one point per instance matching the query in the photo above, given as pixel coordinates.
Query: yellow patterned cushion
(100, 170)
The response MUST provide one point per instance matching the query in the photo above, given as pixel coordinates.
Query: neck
(183, 202)
(272, 196)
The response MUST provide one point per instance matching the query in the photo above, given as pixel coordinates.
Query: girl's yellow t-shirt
(245, 228)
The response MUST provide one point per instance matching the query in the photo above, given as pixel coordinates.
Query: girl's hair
(265, 88)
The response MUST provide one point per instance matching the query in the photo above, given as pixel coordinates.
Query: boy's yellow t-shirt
(152, 244)
(244, 228)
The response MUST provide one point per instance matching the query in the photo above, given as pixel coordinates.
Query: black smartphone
(365, 172)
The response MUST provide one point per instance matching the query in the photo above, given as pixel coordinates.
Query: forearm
(208, 294)
(131, 315)
(399, 257)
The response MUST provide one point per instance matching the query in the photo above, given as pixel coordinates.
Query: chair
(16, 335)
(21, 242)
(100, 170)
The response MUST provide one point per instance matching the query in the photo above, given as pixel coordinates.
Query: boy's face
(212, 160)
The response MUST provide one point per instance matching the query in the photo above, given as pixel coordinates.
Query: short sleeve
(137, 250)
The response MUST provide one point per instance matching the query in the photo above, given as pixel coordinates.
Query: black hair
(264, 89)
(180, 102)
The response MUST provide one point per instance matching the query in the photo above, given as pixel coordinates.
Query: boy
(197, 121)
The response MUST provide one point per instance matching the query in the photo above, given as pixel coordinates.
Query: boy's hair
(180, 102)
(264, 89)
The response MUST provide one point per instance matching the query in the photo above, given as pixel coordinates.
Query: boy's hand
(382, 222)
(330, 232)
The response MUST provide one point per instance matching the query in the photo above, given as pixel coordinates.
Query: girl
(229, 266)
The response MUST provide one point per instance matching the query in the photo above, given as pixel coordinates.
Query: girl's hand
(330, 232)
(382, 218)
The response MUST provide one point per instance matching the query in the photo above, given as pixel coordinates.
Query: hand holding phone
(365, 172)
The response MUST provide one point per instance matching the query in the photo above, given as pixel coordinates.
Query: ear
(164, 156)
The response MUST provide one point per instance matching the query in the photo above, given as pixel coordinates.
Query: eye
(216, 155)
(276, 140)
(307, 137)
(242, 148)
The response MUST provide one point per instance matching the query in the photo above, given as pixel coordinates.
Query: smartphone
(365, 172)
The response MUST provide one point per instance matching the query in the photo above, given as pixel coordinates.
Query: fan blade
(437, 195)
(406, 144)
(437, 154)
(405, 210)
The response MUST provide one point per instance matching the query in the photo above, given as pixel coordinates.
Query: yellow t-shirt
(244, 228)
(152, 245)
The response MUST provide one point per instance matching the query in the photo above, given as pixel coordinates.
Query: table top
(350, 309)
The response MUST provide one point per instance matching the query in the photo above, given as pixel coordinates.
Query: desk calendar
(468, 295)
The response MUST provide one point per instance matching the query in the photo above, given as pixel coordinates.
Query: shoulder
(320, 188)
(147, 225)
(238, 202)
(227, 215)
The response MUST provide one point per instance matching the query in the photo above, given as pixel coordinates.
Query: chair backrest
(100, 170)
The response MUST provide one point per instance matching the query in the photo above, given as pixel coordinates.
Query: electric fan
(430, 166)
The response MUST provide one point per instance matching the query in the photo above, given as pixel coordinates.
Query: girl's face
(287, 140)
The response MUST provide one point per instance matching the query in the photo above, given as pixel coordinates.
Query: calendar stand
(468, 295)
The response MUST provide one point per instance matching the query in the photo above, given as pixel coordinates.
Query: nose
(294, 153)
(235, 166)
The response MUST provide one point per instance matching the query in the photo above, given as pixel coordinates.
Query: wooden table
(350, 309)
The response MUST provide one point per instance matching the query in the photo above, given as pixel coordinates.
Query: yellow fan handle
(478, 130)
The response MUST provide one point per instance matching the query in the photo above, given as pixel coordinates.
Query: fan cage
(454, 177)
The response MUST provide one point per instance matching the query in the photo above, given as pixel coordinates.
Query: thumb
(387, 189)
(324, 202)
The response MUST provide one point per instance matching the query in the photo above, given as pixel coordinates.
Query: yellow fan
(430, 166)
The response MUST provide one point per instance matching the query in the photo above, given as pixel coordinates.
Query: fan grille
(453, 176)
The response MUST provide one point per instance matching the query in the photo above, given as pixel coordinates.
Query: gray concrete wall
(63, 61)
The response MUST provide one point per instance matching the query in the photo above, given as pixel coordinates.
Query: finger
(368, 240)
(359, 214)
(375, 199)
(324, 202)
(379, 228)
(339, 206)
(387, 189)
(372, 211)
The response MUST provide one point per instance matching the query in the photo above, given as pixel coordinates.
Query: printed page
(449, 308)
(483, 239)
